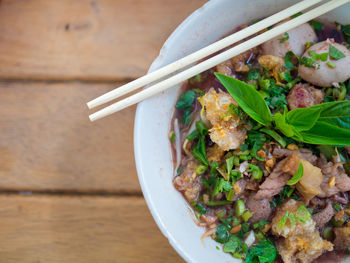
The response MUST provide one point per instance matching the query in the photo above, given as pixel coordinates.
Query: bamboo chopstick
(211, 62)
(202, 53)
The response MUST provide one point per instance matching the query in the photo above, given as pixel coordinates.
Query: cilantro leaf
(288, 60)
(222, 234)
(185, 105)
(286, 37)
(264, 252)
(186, 100)
(318, 26)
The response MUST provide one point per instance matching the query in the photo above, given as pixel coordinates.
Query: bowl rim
(157, 63)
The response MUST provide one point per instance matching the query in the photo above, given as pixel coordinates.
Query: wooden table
(68, 188)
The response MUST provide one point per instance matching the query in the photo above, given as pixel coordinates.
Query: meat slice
(274, 183)
(306, 154)
(304, 96)
(309, 184)
(324, 216)
(260, 208)
(342, 237)
(188, 182)
(300, 242)
(342, 180)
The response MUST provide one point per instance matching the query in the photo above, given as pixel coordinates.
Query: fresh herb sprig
(325, 124)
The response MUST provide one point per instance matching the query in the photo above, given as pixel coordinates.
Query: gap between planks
(69, 193)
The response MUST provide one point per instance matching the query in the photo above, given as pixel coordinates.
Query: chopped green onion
(229, 164)
(330, 64)
(260, 224)
(230, 195)
(235, 221)
(240, 207)
(201, 169)
(337, 207)
(307, 62)
(172, 138)
(199, 92)
(302, 214)
(236, 174)
(193, 135)
(256, 171)
(216, 203)
(245, 157)
(328, 233)
(335, 53)
(285, 76)
(246, 215)
(201, 128)
(292, 219)
(283, 220)
(221, 214)
(297, 176)
(245, 227)
(236, 161)
(308, 44)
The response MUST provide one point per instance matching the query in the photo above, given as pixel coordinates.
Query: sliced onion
(250, 239)
(177, 143)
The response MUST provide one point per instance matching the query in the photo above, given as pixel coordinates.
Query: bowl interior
(152, 148)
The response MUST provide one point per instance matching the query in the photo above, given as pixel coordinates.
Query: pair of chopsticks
(213, 61)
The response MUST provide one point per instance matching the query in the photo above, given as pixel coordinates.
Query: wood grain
(48, 143)
(73, 229)
(85, 39)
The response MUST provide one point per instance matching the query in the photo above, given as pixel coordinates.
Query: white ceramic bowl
(152, 148)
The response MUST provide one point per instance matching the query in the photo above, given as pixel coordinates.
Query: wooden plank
(74, 229)
(85, 39)
(48, 143)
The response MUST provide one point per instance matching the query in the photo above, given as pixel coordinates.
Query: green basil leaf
(282, 125)
(278, 138)
(336, 113)
(303, 118)
(297, 176)
(335, 53)
(247, 98)
(326, 134)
